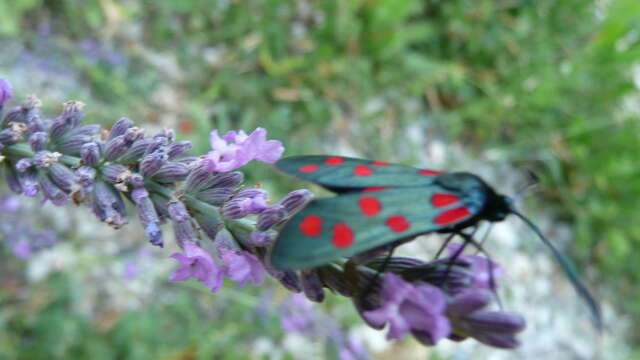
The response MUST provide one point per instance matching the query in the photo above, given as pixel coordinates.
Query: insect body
(381, 203)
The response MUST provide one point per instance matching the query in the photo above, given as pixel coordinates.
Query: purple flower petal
(197, 263)
(236, 149)
(406, 307)
(242, 267)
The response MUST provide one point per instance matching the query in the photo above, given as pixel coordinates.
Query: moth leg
(444, 246)
(478, 245)
(380, 270)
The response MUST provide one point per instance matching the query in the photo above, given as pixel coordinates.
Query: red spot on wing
(452, 215)
(397, 223)
(342, 235)
(311, 225)
(362, 170)
(380, 163)
(334, 160)
(428, 172)
(442, 199)
(375, 188)
(309, 168)
(369, 206)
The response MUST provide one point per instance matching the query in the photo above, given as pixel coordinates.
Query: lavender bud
(30, 183)
(171, 172)
(72, 111)
(251, 193)
(178, 148)
(45, 159)
(72, 145)
(262, 238)
(215, 196)
(182, 227)
(296, 200)
(116, 148)
(86, 175)
(51, 191)
(166, 134)
(312, 285)
(62, 176)
(495, 322)
(118, 175)
(71, 116)
(12, 179)
(108, 205)
(90, 130)
(151, 163)
(10, 137)
(134, 134)
(291, 281)
(14, 115)
(197, 178)
(38, 140)
(178, 212)
(137, 180)
(136, 151)
(90, 153)
(148, 216)
(235, 208)
(156, 144)
(24, 164)
(188, 160)
(270, 217)
(119, 128)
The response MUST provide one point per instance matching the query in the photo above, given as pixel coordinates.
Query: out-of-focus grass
(542, 81)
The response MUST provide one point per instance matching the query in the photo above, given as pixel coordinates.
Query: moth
(379, 203)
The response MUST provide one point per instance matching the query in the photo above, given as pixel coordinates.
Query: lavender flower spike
(198, 263)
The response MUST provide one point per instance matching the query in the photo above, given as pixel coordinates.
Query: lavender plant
(226, 229)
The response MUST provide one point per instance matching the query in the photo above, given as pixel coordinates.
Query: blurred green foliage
(544, 81)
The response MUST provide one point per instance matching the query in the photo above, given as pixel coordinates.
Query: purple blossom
(236, 149)
(242, 267)
(198, 263)
(6, 91)
(419, 309)
(484, 271)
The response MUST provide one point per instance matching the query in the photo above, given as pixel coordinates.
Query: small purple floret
(242, 267)
(419, 309)
(236, 149)
(198, 263)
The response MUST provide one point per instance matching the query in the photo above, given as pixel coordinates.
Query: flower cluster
(64, 160)
(227, 230)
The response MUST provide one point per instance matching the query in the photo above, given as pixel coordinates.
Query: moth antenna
(569, 271)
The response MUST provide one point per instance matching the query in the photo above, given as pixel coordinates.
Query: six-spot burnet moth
(381, 203)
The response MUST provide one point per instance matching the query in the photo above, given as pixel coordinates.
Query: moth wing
(345, 225)
(342, 174)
